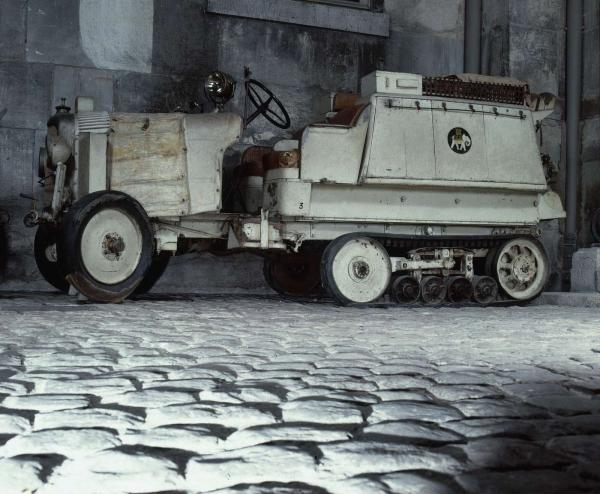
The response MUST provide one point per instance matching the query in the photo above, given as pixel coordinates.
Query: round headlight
(219, 87)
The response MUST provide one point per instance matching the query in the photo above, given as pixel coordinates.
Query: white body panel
(171, 163)
(207, 135)
(92, 149)
(392, 83)
(409, 172)
(425, 206)
(333, 153)
(449, 165)
(409, 139)
(401, 147)
(512, 153)
(294, 198)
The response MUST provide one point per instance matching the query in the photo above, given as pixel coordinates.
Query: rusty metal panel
(454, 87)
(147, 160)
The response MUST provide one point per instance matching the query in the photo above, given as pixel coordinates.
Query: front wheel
(44, 249)
(355, 269)
(106, 245)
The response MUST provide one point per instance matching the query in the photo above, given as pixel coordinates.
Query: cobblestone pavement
(251, 394)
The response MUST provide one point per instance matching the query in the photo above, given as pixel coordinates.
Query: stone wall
(152, 55)
(426, 36)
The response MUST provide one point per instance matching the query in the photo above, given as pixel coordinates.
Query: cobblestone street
(255, 394)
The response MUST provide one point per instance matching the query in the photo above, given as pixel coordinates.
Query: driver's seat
(348, 116)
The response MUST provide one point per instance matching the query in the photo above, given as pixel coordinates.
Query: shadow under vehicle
(427, 188)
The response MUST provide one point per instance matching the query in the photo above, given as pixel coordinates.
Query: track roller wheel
(485, 289)
(433, 290)
(355, 269)
(405, 290)
(459, 289)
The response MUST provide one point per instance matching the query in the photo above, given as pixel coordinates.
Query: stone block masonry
(585, 273)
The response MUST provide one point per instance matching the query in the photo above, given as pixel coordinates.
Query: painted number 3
(301, 206)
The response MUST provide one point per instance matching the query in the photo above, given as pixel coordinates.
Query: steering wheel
(266, 104)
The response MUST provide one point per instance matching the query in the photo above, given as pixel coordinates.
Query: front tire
(44, 249)
(355, 269)
(106, 245)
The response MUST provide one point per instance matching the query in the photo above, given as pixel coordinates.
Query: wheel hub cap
(523, 268)
(113, 246)
(360, 270)
(51, 253)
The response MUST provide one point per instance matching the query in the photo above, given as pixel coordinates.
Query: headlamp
(219, 88)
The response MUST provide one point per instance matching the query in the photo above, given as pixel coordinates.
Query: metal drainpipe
(472, 53)
(573, 76)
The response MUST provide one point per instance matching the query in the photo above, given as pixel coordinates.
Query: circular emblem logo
(459, 140)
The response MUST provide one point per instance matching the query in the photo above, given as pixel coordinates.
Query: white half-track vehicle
(427, 188)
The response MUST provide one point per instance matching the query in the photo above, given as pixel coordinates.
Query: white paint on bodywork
(117, 34)
(381, 81)
(287, 196)
(410, 204)
(333, 153)
(409, 140)
(549, 206)
(91, 167)
(512, 152)
(401, 144)
(207, 135)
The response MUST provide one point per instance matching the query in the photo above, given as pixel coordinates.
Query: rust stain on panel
(147, 158)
